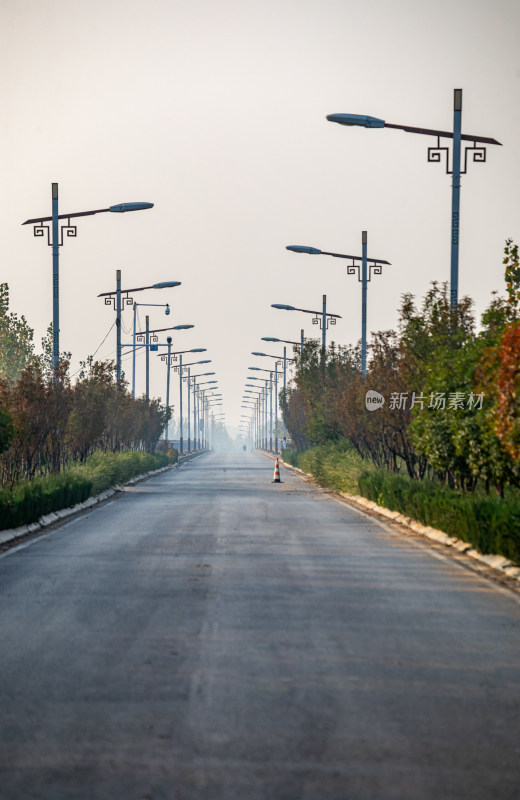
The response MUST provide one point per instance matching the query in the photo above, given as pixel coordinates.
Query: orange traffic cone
(276, 478)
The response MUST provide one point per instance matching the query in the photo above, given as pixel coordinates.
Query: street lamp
(117, 301)
(286, 341)
(56, 241)
(321, 318)
(436, 155)
(367, 265)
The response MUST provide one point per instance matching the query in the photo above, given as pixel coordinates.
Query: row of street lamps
(465, 147)
(364, 267)
(203, 401)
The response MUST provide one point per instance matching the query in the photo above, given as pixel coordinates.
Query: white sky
(215, 112)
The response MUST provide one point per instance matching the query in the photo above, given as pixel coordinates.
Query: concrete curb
(495, 561)
(11, 534)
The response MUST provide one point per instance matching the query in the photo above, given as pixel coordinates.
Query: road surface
(210, 635)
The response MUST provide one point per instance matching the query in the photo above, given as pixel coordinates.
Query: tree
(16, 340)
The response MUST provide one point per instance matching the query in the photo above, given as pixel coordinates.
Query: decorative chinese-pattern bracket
(319, 321)
(141, 337)
(356, 269)
(111, 300)
(437, 154)
(65, 228)
(164, 358)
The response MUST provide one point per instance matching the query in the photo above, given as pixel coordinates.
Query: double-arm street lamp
(364, 276)
(436, 155)
(55, 240)
(321, 318)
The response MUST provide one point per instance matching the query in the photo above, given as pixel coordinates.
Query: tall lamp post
(322, 318)
(436, 155)
(55, 240)
(364, 276)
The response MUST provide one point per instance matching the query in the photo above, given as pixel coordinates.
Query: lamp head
(283, 307)
(296, 248)
(356, 119)
(122, 207)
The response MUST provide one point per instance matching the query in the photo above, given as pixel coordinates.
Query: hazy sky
(215, 112)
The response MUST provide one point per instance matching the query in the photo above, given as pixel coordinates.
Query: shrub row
(489, 523)
(335, 465)
(30, 500)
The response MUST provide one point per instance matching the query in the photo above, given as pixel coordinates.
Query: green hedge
(30, 500)
(489, 523)
(335, 465)
(105, 470)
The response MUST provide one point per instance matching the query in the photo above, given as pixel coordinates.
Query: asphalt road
(210, 635)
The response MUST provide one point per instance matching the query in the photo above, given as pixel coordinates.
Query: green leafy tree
(16, 340)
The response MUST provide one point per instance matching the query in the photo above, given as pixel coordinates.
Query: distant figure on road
(244, 448)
